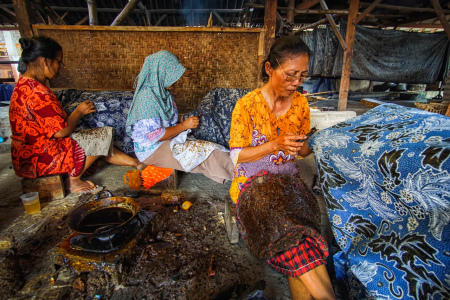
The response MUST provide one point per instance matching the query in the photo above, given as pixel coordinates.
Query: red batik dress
(36, 115)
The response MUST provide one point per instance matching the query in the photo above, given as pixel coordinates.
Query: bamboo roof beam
(125, 13)
(307, 4)
(437, 7)
(92, 11)
(82, 21)
(334, 26)
(312, 25)
(49, 11)
(366, 12)
(405, 8)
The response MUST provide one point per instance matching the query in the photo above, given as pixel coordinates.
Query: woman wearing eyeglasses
(43, 142)
(265, 127)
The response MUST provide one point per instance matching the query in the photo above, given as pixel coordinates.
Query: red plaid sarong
(298, 260)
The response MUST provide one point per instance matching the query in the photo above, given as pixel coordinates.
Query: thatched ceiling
(228, 13)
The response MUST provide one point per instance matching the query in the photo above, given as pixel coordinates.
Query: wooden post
(441, 16)
(23, 18)
(92, 9)
(348, 55)
(270, 22)
(125, 12)
(290, 10)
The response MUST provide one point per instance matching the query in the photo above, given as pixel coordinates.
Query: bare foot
(76, 185)
(140, 166)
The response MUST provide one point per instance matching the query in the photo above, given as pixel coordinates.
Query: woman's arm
(83, 109)
(171, 132)
(285, 142)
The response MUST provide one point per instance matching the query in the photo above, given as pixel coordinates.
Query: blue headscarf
(151, 99)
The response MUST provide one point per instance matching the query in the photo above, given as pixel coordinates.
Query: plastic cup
(31, 202)
(133, 179)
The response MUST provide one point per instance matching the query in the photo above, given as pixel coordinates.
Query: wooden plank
(366, 12)
(92, 10)
(146, 28)
(160, 19)
(219, 18)
(404, 8)
(324, 20)
(270, 22)
(422, 25)
(125, 13)
(334, 26)
(82, 20)
(371, 102)
(306, 4)
(348, 55)
(260, 54)
(441, 17)
(49, 187)
(23, 18)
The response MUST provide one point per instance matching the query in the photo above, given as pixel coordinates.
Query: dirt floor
(172, 263)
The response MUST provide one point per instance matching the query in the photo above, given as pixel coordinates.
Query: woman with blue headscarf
(159, 140)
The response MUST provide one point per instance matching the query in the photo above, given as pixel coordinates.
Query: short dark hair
(281, 49)
(33, 48)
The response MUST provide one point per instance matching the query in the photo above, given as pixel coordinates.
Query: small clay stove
(113, 254)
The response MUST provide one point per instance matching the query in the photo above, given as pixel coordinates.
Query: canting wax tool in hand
(308, 135)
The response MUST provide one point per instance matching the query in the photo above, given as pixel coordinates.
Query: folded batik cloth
(95, 141)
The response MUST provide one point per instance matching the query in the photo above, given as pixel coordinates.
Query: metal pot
(103, 216)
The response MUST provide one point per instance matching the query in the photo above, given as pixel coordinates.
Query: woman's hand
(287, 143)
(191, 122)
(86, 107)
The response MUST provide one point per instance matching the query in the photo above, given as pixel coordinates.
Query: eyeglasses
(291, 78)
(60, 62)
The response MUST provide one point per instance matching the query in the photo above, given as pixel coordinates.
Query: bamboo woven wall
(105, 59)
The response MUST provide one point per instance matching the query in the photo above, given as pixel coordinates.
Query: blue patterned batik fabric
(216, 110)
(112, 110)
(386, 184)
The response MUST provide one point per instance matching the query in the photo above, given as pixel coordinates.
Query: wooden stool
(230, 221)
(49, 187)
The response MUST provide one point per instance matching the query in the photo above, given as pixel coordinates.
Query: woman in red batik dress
(41, 128)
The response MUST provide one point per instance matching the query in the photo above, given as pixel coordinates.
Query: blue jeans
(327, 82)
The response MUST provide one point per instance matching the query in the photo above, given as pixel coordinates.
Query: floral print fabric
(112, 110)
(35, 116)
(147, 132)
(254, 124)
(385, 179)
(215, 112)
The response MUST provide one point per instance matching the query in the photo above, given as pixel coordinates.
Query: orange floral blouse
(36, 115)
(253, 124)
